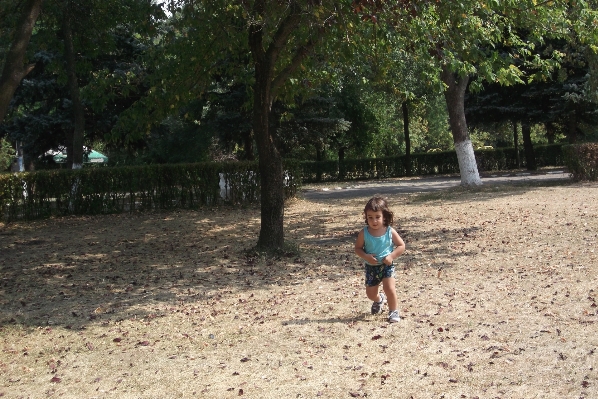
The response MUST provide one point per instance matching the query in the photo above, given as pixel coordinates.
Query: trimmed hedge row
(423, 164)
(127, 189)
(582, 161)
(113, 190)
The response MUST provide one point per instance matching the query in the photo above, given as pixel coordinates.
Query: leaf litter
(497, 293)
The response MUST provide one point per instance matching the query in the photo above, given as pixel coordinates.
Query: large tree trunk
(528, 147)
(455, 101)
(408, 168)
(74, 145)
(264, 91)
(270, 165)
(270, 161)
(14, 68)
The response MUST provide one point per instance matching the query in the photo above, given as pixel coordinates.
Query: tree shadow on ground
(78, 270)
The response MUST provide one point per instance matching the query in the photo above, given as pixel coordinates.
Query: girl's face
(375, 219)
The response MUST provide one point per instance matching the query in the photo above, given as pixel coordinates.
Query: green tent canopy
(91, 157)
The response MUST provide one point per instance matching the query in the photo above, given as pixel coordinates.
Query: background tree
(462, 38)
(204, 36)
(562, 102)
(72, 92)
(15, 62)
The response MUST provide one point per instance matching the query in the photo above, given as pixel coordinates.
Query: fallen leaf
(375, 337)
(55, 379)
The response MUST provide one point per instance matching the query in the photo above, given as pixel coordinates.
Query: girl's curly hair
(376, 204)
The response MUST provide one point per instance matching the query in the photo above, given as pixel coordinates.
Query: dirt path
(424, 184)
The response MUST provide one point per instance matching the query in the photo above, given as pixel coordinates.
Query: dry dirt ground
(498, 291)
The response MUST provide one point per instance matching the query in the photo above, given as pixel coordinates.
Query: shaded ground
(497, 291)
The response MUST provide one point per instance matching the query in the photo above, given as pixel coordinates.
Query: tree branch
(286, 27)
(298, 58)
(255, 34)
(14, 69)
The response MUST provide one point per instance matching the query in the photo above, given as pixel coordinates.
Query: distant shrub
(582, 161)
(7, 154)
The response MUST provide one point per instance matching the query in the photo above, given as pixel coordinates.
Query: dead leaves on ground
(487, 288)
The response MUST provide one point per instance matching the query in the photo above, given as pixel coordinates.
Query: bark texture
(265, 58)
(455, 101)
(15, 68)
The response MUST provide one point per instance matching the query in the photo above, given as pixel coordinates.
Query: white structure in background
(20, 162)
(225, 188)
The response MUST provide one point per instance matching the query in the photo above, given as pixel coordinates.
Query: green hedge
(582, 161)
(380, 168)
(125, 189)
(423, 164)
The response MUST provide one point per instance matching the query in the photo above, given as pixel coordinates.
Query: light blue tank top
(381, 246)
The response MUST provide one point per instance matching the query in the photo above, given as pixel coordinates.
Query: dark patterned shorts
(375, 274)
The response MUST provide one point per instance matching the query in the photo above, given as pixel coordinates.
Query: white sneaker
(393, 316)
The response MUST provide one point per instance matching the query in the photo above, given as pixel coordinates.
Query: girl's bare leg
(372, 293)
(388, 284)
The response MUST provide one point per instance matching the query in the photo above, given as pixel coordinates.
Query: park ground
(498, 291)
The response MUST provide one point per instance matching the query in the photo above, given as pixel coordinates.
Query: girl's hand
(372, 260)
(387, 260)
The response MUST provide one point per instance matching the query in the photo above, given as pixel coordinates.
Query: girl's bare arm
(399, 247)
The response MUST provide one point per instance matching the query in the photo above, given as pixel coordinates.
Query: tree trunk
(266, 84)
(516, 144)
(342, 170)
(75, 145)
(455, 100)
(14, 68)
(550, 132)
(341, 154)
(248, 146)
(408, 166)
(528, 147)
(270, 165)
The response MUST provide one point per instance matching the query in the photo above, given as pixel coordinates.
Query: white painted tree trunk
(467, 164)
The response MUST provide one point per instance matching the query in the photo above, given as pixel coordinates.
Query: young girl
(378, 244)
